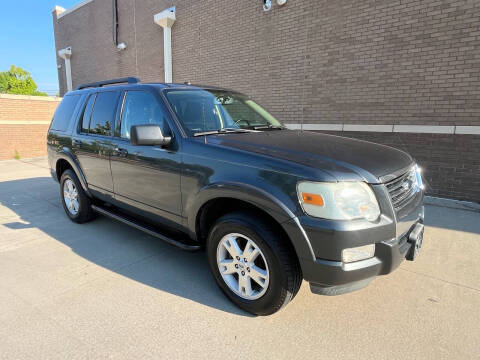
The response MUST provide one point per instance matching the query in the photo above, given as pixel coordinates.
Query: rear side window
(103, 114)
(64, 112)
(87, 113)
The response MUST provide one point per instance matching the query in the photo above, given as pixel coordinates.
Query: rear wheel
(76, 203)
(253, 264)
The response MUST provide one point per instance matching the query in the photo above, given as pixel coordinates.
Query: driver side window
(140, 108)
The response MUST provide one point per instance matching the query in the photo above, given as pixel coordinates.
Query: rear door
(146, 177)
(93, 144)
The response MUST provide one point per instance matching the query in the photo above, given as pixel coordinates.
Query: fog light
(358, 253)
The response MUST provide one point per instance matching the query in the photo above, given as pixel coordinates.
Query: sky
(26, 39)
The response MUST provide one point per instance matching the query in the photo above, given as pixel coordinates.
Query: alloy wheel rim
(243, 266)
(70, 195)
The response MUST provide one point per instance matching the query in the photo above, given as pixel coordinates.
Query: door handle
(76, 142)
(120, 152)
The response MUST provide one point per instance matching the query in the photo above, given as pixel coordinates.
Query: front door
(146, 177)
(93, 144)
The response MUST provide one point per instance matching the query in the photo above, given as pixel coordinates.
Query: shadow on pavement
(464, 220)
(113, 245)
(140, 257)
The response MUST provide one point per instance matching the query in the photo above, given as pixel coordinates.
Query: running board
(145, 228)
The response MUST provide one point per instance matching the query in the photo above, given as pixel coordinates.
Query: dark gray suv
(203, 167)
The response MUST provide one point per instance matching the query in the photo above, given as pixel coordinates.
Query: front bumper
(336, 277)
(328, 275)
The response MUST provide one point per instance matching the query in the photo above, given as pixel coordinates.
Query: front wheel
(253, 264)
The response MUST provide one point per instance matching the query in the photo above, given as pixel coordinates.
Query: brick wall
(408, 62)
(450, 163)
(24, 121)
(381, 62)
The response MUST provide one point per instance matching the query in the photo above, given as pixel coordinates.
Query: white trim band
(472, 130)
(372, 128)
(416, 129)
(424, 129)
(327, 127)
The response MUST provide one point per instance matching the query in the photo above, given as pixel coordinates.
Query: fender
(259, 198)
(65, 154)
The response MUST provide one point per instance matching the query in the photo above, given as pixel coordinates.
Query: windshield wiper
(222, 131)
(211, 132)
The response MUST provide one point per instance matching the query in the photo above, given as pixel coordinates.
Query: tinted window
(64, 113)
(140, 108)
(204, 110)
(104, 113)
(87, 113)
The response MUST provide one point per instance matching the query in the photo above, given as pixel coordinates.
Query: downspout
(165, 19)
(66, 54)
(121, 46)
(115, 22)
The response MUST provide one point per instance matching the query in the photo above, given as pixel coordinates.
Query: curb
(451, 203)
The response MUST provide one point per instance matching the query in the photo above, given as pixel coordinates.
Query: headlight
(338, 201)
(418, 177)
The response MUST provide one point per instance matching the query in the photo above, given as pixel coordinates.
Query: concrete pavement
(104, 290)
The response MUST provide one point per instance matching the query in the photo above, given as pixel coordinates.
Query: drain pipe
(115, 22)
(165, 19)
(66, 54)
(122, 45)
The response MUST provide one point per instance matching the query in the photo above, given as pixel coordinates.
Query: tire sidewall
(68, 174)
(255, 231)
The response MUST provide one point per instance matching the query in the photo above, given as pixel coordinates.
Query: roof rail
(130, 80)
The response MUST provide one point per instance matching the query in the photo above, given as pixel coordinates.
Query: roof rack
(130, 80)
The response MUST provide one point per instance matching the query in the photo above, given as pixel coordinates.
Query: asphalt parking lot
(104, 290)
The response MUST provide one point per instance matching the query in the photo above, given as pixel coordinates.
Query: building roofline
(58, 9)
(61, 12)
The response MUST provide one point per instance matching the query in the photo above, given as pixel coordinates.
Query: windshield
(202, 110)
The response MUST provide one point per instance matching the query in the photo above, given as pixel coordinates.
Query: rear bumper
(53, 173)
(334, 277)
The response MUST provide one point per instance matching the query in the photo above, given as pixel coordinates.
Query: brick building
(400, 72)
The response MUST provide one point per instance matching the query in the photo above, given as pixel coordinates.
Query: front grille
(402, 189)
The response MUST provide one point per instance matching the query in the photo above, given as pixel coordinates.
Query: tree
(18, 81)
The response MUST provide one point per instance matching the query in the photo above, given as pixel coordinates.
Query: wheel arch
(65, 160)
(218, 199)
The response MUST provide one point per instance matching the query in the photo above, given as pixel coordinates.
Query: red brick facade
(24, 121)
(372, 62)
(450, 163)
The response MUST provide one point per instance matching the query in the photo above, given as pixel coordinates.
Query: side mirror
(148, 135)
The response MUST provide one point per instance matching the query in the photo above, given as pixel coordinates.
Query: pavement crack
(33, 164)
(442, 280)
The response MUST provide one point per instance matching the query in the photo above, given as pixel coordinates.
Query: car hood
(344, 158)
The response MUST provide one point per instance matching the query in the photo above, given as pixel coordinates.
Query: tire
(276, 261)
(84, 212)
